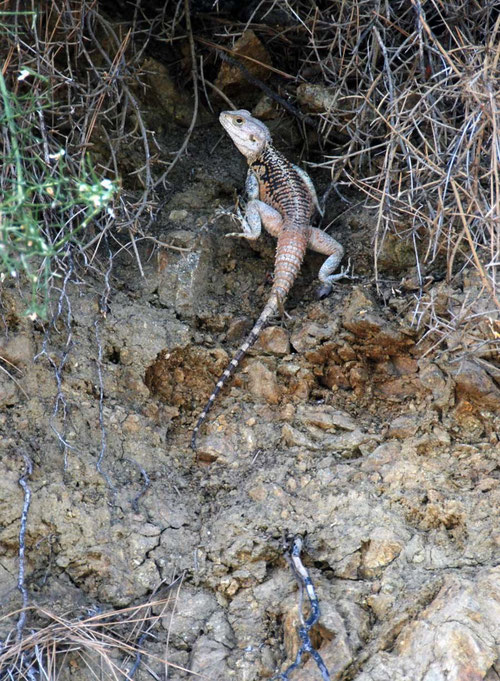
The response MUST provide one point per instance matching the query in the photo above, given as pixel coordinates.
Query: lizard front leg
(321, 242)
(257, 214)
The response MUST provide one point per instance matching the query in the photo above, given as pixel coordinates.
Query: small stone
(432, 378)
(309, 336)
(405, 365)
(384, 546)
(380, 604)
(346, 353)
(248, 45)
(347, 568)
(178, 215)
(398, 389)
(317, 98)
(335, 377)
(9, 394)
(294, 437)
(473, 382)
(263, 382)
(258, 493)
(467, 417)
(275, 340)
(18, 350)
(364, 318)
(325, 417)
(265, 109)
(403, 427)
(238, 328)
(132, 424)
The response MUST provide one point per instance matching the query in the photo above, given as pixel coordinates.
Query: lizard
(281, 197)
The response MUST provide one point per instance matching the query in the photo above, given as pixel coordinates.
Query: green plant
(46, 201)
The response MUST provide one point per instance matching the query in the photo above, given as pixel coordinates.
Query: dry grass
(415, 92)
(108, 645)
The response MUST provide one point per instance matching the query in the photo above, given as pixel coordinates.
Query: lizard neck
(258, 156)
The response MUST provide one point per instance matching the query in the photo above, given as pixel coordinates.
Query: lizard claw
(220, 212)
(326, 287)
(344, 272)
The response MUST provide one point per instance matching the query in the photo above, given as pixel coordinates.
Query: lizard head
(249, 134)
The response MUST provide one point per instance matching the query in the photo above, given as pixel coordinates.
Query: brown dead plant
(108, 645)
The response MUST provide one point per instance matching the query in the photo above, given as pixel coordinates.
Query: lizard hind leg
(321, 242)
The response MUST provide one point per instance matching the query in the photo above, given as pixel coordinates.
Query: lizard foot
(221, 212)
(248, 232)
(326, 287)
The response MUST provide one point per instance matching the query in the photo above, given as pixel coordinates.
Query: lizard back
(282, 187)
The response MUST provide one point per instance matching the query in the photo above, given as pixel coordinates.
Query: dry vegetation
(404, 96)
(108, 644)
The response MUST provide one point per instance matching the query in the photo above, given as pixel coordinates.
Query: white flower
(58, 154)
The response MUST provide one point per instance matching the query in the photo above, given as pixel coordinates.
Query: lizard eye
(238, 120)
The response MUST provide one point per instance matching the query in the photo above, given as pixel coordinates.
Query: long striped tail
(252, 337)
(289, 255)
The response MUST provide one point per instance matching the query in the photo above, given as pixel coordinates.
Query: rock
(238, 329)
(467, 416)
(317, 98)
(265, 109)
(364, 319)
(344, 444)
(275, 340)
(248, 45)
(181, 374)
(178, 215)
(335, 651)
(299, 380)
(182, 285)
(9, 394)
(405, 365)
(399, 389)
(335, 377)
(404, 426)
(16, 349)
(383, 547)
(198, 605)
(452, 639)
(396, 254)
(309, 335)
(295, 438)
(325, 417)
(208, 658)
(164, 95)
(432, 378)
(473, 383)
(263, 383)
(320, 99)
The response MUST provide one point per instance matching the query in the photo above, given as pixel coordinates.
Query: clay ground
(342, 426)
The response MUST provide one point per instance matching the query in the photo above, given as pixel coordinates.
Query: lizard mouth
(226, 119)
